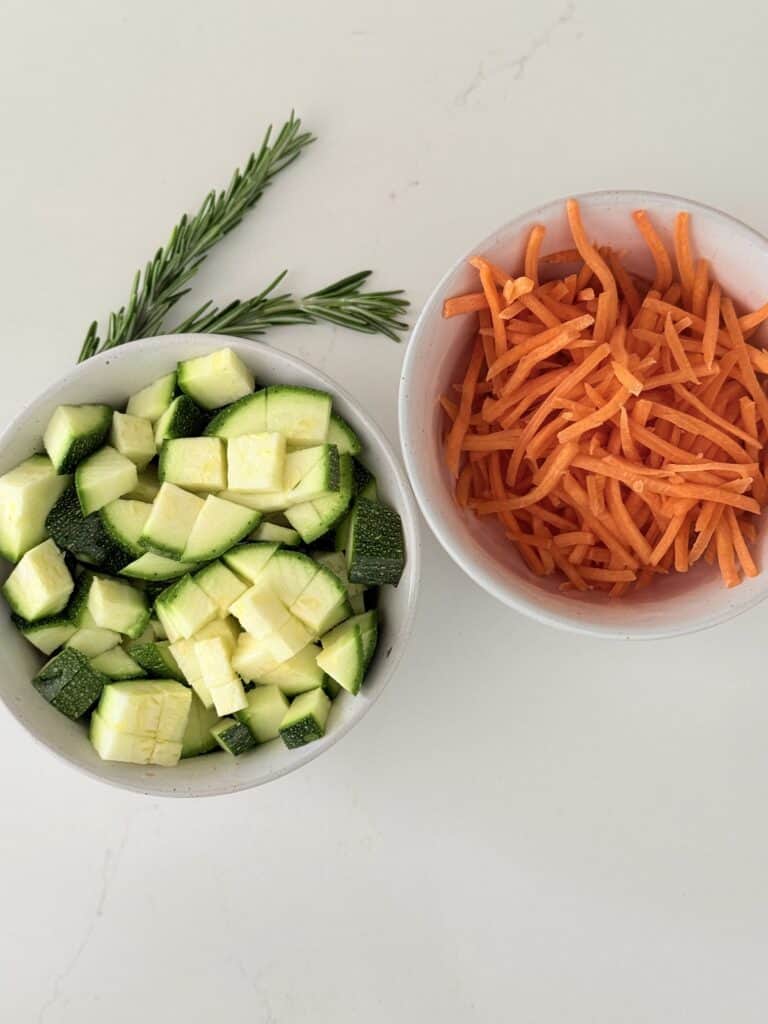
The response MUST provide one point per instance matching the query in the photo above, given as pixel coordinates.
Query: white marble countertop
(576, 833)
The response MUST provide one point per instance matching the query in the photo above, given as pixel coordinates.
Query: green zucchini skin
(85, 537)
(69, 683)
(376, 548)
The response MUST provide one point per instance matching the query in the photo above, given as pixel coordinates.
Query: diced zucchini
(248, 415)
(117, 664)
(102, 477)
(289, 573)
(222, 585)
(228, 629)
(182, 418)
(255, 462)
(309, 474)
(197, 736)
(77, 609)
(264, 712)
(156, 567)
(147, 707)
(216, 379)
(301, 414)
(170, 522)
(225, 687)
(305, 719)
(287, 641)
(323, 603)
(260, 611)
(48, 634)
(297, 675)
(147, 485)
(253, 659)
(214, 658)
(131, 712)
(155, 659)
(27, 494)
(69, 683)
(40, 584)
(249, 560)
(112, 745)
(363, 486)
(195, 463)
(219, 526)
(93, 641)
(183, 652)
(233, 736)
(376, 551)
(85, 537)
(74, 432)
(314, 518)
(184, 608)
(343, 657)
(363, 482)
(279, 534)
(118, 606)
(337, 563)
(228, 697)
(343, 436)
(124, 520)
(151, 402)
(369, 632)
(134, 438)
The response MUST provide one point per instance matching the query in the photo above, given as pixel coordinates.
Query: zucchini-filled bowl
(261, 671)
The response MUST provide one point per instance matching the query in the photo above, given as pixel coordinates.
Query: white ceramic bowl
(437, 354)
(112, 377)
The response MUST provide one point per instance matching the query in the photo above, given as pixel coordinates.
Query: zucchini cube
(305, 719)
(256, 462)
(216, 379)
(264, 713)
(69, 683)
(134, 438)
(233, 736)
(41, 583)
(195, 463)
(27, 494)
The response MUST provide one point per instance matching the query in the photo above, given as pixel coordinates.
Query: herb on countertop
(162, 283)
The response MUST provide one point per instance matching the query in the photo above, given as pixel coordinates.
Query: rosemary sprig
(162, 283)
(344, 303)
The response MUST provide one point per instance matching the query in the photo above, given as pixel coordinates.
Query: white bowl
(437, 353)
(111, 378)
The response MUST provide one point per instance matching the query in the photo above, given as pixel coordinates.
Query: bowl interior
(111, 378)
(437, 354)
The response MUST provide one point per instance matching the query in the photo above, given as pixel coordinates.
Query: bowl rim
(454, 546)
(410, 582)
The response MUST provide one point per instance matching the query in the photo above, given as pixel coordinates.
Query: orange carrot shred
(663, 277)
(532, 250)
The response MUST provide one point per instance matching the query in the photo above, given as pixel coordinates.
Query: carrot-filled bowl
(584, 419)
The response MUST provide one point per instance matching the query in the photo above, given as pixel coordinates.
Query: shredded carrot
(683, 256)
(460, 425)
(700, 287)
(470, 303)
(598, 266)
(532, 250)
(616, 427)
(676, 348)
